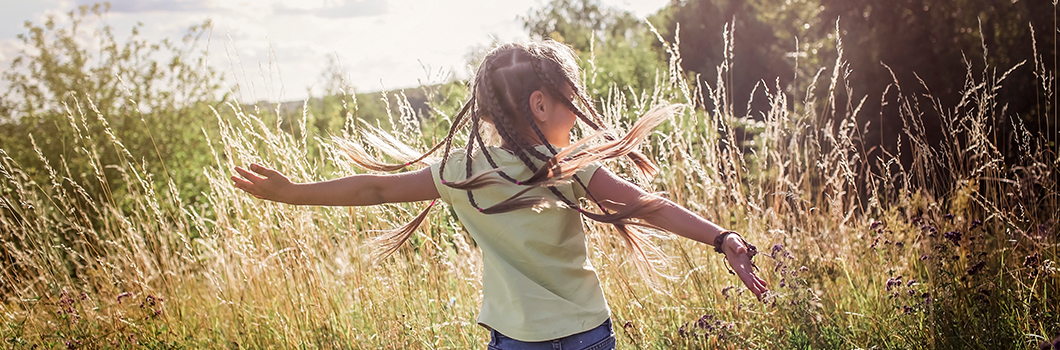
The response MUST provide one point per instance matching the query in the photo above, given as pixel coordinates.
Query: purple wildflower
(777, 248)
(974, 269)
(953, 236)
(893, 282)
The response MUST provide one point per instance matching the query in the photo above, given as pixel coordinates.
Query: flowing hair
(500, 94)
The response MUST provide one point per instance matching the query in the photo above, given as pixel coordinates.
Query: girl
(519, 200)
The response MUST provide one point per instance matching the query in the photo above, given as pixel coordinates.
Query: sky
(277, 50)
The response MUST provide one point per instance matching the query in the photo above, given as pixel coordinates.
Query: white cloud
(149, 6)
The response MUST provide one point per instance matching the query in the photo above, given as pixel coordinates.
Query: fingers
(744, 269)
(754, 283)
(249, 180)
(263, 170)
(253, 178)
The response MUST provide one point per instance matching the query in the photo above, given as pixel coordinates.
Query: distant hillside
(369, 105)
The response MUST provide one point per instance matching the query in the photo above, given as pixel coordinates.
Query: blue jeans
(599, 338)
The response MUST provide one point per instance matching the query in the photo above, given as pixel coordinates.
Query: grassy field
(952, 249)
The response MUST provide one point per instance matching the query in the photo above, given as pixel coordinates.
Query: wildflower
(149, 302)
(876, 224)
(948, 216)
(72, 344)
(65, 299)
(976, 268)
(804, 269)
(777, 248)
(953, 236)
(123, 296)
(892, 282)
(899, 245)
(910, 283)
(916, 220)
(704, 322)
(975, 223)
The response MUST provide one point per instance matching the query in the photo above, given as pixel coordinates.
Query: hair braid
(552, 88)
(528, 115)
(468, 159)
(388, 242)
(510, 134)
(460, 119)
(474, 107)
(495, 110)
(359, 156)
(504, 129)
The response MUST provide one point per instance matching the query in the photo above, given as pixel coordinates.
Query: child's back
(537, 281)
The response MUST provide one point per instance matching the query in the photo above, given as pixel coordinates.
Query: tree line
(928, 49)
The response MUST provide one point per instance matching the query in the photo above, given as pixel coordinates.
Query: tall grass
(956, 249)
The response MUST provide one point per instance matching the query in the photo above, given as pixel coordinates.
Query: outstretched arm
(354, 190)
(613, 191)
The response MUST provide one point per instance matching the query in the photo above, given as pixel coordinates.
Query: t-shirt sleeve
(443, 190)
(585, 175)
(455, 163)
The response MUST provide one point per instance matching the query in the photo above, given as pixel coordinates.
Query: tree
(940, 43)
(616, 49)
(77, 90)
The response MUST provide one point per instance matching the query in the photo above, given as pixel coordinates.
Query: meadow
(940, 246)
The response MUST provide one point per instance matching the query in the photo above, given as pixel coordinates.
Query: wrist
(721, 238)
(288, 194)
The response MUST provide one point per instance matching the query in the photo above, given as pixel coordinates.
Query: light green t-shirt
(537, 281)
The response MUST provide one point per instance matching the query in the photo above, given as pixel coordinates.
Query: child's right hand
(739, 256)
(271, 185)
